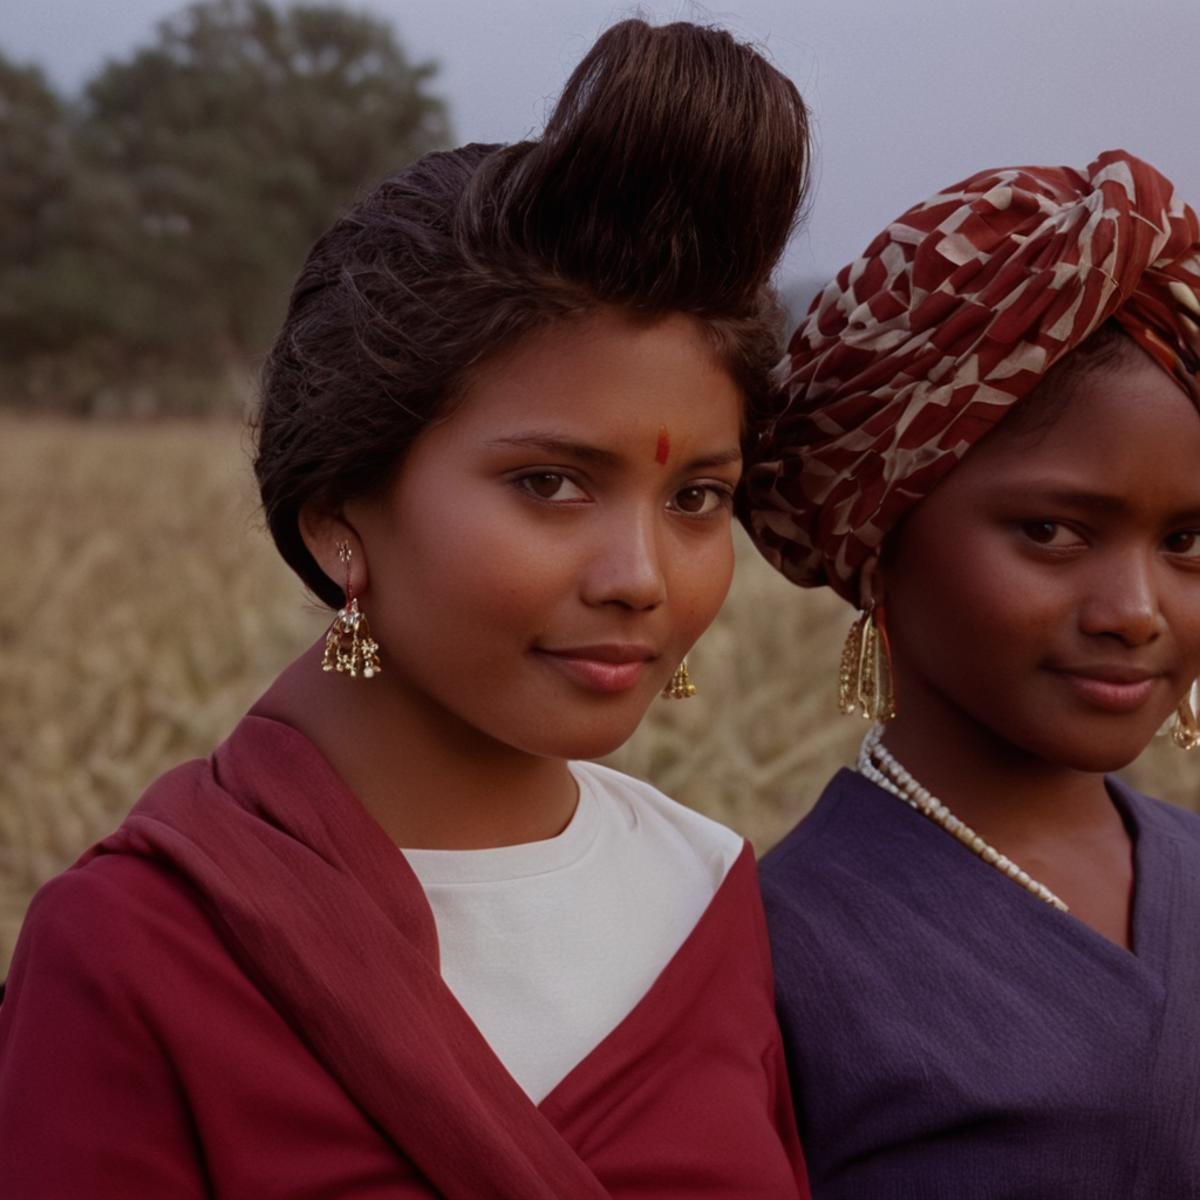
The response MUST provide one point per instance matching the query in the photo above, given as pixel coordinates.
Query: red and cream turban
(953, 313)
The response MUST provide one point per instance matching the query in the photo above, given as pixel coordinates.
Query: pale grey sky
(908, 95)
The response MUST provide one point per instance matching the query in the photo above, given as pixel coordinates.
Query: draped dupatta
(322, 912)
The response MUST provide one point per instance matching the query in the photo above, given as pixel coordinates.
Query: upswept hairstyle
(667, 180)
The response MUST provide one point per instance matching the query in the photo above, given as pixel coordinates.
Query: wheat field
(143, 608)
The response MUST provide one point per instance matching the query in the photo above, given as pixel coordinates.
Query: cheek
(972, 604)
(485, 565)
(699, 583)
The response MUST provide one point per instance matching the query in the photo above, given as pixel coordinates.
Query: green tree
(242, 131)
(33, 158)
(154, 228)
(35, 198)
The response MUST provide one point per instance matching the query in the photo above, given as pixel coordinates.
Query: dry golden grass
(142, 609)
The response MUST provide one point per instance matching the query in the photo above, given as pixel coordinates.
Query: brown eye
(1186, 543)
(700, 500)
(1054, 535)
(551, 485)
(692, 500)
(546, 485)
(1042, 532)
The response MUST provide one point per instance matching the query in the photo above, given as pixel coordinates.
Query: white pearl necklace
(877, 764)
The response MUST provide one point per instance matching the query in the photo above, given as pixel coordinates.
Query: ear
(324, 535)
(871, 582)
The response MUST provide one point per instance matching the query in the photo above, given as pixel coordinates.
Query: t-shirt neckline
(497, 863)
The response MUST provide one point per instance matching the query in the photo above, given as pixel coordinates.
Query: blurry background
(162, 172)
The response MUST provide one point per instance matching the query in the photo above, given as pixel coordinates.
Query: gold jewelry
(680, 685)
(877, 764)
(1185, 728)
(866, 682)
(349, 647)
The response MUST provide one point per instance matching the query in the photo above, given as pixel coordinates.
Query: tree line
(151, 225)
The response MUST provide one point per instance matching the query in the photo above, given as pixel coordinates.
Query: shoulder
(809, 846)
(120, 997)
(96, 896)
(118, 928)
(843, 873)
(648, 811)
(1176, 822)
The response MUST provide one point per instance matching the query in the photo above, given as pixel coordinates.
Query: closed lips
(604, 668)
(1110, 673)
(1113, 689)
(606, 653)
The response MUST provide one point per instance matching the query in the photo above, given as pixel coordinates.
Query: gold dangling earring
(1185, 728)
(866, 681)
(349, 646)
(680, 685)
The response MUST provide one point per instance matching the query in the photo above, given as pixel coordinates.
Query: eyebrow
(1100, 503)
(583, 452)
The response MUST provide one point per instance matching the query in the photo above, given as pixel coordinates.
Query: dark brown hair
(667, 180)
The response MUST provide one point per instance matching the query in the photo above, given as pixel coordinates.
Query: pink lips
(1110, 688)
(608, 667)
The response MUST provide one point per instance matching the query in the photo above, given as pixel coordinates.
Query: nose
(1123, 600)
(626, 563)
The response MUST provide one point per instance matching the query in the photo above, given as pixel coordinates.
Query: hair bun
(669, 174)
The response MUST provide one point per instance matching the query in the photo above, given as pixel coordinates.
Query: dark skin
(1043, 606)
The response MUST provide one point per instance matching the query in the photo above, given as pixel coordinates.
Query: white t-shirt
(549, 945)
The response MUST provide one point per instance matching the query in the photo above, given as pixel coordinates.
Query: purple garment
(952, 1037)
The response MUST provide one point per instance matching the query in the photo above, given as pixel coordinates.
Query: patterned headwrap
(952, 314)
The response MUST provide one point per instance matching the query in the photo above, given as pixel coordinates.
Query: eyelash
(723, 493)
(1026, 526)
(1194, 534)
(523, 483)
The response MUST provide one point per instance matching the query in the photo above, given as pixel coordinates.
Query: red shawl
(320, 921)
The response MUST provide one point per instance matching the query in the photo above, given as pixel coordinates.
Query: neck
(1004, 792)
(430, 780)
(1056, 825)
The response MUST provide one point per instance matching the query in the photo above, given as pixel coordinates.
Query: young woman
(500, 434)
(985, 945)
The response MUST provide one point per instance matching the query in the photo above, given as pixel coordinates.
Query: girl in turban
(987, 437)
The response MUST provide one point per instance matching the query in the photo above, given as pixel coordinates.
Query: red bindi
(662, 451)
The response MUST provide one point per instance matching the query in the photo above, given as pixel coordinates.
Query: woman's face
(1049, 589)
(546, 556)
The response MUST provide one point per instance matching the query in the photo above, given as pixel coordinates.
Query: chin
(1101, 762)
(585, 738)
(1095, 751)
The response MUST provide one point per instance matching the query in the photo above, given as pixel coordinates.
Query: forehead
(606, 375)
(1125, 427)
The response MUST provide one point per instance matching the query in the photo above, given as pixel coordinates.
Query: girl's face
(1049, 589)
(546, 556)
